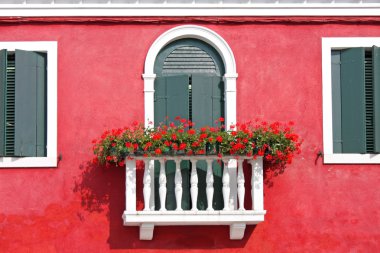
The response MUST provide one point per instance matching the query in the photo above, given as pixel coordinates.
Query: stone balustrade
(233, 187)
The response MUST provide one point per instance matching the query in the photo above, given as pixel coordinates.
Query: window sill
(351, 158)
(27, 162)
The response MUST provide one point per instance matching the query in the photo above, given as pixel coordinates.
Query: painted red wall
(77, 207)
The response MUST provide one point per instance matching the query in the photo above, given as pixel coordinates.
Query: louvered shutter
(189, 59)
(3, 81)
(171, 100)
(30, 104)
(376, 95)
(207, 99)
(207, 107)
(9, 104)
(336, 100)
(353, 100)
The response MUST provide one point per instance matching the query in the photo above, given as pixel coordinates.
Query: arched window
(190, 72)
(189, 84)
(218, 47)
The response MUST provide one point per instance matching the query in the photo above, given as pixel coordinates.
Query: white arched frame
(211, 38)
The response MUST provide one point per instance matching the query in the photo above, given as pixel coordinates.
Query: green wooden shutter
(171, 100)
(30, 108)
(208, 101)
(353, 101)
(376, 95)
(207, 107)
(336, 100)
(3, 82)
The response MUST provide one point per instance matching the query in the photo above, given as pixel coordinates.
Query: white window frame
(50, 160)
(329, 44)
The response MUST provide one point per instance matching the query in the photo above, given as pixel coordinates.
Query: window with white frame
(351, 100)
(28, 98)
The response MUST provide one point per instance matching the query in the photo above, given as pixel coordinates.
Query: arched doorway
(201, 91)
(189, 84)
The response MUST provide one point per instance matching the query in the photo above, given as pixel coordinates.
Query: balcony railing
(233, 181)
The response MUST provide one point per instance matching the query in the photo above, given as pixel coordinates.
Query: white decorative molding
(175, 9)
(49, 47)
(200, 33)
(329, 44)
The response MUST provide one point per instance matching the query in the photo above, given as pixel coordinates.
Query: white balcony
(233, 184)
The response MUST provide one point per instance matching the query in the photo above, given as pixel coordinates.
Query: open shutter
(353, 101)
(336, 100)
(376, 95)
(3, 81)
(208, 102)
(30, 108)
(171, 100)
(207, 107)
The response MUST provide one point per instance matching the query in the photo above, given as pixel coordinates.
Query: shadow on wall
(102, 189)
(271, 171)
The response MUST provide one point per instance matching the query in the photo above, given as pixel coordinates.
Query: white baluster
(178, 184)
(257, 191)
(226, 186)
(232, 169)
(147, 186)
(194, 185)
(240, 181)
(130, 185)
(152, 191)
(162, 187)
(210, 185)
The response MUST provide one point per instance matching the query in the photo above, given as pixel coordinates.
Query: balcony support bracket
(146, 231)
(237, 231)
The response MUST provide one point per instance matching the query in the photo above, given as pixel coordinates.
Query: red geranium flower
(157, 137)
(158, 151)
(201, 152)
(202, 136)
(182, 146)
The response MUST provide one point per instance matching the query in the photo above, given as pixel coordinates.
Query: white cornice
(176, 10)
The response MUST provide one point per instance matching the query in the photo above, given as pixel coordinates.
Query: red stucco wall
(76, 207)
